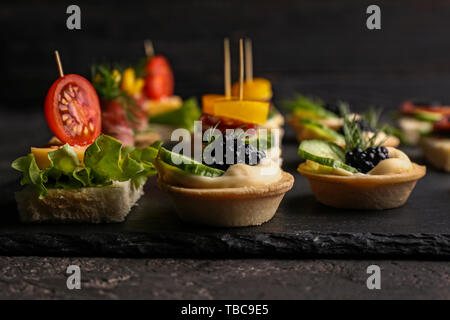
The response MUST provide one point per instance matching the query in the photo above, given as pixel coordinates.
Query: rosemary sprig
(353, 135)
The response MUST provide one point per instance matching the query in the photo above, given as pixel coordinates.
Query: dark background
(315, 47)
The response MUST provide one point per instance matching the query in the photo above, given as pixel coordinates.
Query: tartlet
(229, 207)
(373, 192)
(363, 175)
(220, 193)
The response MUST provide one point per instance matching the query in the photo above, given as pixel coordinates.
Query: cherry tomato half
(159, 82)
(72, 110)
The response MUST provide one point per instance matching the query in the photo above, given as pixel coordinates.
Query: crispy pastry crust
(229, 207)
(371, 192)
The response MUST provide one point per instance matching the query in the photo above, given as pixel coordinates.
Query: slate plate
(302, 228)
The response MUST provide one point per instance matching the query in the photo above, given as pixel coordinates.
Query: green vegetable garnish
(308, 107)
(325, 153)
(188, 165)
(183, 117)
(322, 131)
(105, 161)
(353, 135)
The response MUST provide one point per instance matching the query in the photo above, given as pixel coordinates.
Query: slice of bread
(94, 204)
(437, 151)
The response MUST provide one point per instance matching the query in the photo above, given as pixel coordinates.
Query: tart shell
(229, 207)
(370, 192)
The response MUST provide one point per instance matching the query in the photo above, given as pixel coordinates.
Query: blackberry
(252, 156)
(366, 160)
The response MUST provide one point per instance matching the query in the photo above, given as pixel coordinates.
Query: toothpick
(148, 47)
(58, 63)
(241, 69)
(227, 67)
(248, 60)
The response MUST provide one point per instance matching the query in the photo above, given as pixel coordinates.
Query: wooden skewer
(248, 60)
(58, 62)
(241, 69)
(148, 47)
(227, 67)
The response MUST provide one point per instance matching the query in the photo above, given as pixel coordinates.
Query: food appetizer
(166, 110)
(138, 105)
(364, 175)
(259, 89)
(122, 116)
(254, 89)
(417, 118)
(236, 186)
(311, 118)
(82, 175)
(252, 115)
(436, 145)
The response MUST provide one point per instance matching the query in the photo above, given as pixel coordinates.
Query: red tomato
(72, 110)
(159, 82)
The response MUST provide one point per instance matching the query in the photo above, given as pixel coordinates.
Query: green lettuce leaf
(105, 161)
(183, 117)
(31, 173)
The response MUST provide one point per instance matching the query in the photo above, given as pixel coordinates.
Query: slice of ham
(115, 123)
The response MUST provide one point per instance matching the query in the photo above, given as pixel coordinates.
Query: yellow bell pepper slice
(258, 89)
(247, 111)
(208, 102)
(130, 84)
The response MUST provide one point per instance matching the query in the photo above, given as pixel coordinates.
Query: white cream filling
(397, 163)
(238, 175)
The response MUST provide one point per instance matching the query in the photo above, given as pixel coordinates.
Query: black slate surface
(302, 228)
(315, 47)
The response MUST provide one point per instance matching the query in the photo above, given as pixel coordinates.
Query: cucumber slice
(322, 131)
(325, 153)
(188, 165)
(428, 116)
